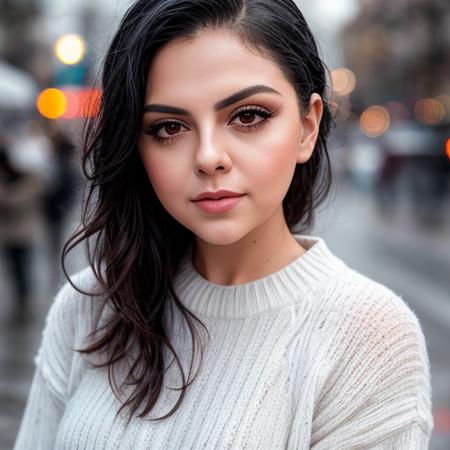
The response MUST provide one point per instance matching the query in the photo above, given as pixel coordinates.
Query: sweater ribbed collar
(291, 284)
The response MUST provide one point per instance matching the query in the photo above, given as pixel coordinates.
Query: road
(412, 261)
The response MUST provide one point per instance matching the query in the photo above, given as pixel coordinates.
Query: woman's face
(212, 139)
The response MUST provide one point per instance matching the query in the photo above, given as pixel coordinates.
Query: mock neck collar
(291, 284)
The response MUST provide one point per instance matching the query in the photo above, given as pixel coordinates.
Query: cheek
(165, 175)
(275, 160)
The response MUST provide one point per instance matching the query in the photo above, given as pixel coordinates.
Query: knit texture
(314, 356)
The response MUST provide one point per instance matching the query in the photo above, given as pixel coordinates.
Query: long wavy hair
(137, 245)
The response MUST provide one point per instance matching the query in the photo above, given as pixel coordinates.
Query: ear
(310, 128)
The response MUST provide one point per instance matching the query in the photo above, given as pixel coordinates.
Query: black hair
(138, 245)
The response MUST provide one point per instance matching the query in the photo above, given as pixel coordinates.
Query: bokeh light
(447, 148)
(375, 121)
(445, 100)
(90, 101)
(429, 111)
(343, 81)
(51, 103)
(70, 49)
(81, 102)
(73, 104)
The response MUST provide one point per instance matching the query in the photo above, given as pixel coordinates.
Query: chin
(218, 234)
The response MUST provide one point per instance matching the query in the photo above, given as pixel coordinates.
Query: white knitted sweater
(314, 356)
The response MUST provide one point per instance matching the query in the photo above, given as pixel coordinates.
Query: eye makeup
(246, 112)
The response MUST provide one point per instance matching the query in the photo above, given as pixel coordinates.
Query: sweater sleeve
(40, 420)
(376, 393)
(46, 400)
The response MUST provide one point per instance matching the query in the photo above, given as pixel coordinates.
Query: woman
(213, 323)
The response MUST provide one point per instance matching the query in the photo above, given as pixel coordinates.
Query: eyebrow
(240, 95)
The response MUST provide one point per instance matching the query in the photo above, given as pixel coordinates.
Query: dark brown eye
(172, 128)
(247, 117)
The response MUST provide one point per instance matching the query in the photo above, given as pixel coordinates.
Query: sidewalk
(19, 343)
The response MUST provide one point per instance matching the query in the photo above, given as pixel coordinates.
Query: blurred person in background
(20, 218)
(61, 190)
(386, 191)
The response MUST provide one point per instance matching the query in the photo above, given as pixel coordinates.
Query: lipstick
(219, 205)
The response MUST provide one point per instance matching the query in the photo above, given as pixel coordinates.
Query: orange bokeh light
(447, 148)
(374, 121)
(73, 106)
(69, 103)
(429, 111)
(343, 81)
(51, 103)
(81, 103)
(90, 101)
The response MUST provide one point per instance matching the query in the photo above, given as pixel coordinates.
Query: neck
(259, 253)
(293, 283)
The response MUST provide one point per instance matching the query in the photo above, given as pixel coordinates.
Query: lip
(218, 206)
(222, 193)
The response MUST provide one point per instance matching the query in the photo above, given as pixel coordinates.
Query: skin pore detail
(229, 121)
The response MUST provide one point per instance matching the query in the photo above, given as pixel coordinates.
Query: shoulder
(74, 296)
(349, 308)
(374, 339)
(363, 304)
(366, 319)
(373, 366)
(84, 279)
(69, 320)
(72, 312)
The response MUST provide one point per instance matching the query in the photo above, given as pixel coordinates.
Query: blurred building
(399, 105)
(399, 50)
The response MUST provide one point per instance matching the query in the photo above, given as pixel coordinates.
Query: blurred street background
(387, 217)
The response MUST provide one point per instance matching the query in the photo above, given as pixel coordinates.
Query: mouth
(218, 198)
(218, 205)
(218, 195)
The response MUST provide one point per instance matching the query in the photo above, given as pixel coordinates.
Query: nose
(211, 155)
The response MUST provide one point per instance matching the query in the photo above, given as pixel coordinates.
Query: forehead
(212, 60)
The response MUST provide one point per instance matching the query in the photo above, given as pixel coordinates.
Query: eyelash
(265, 114)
